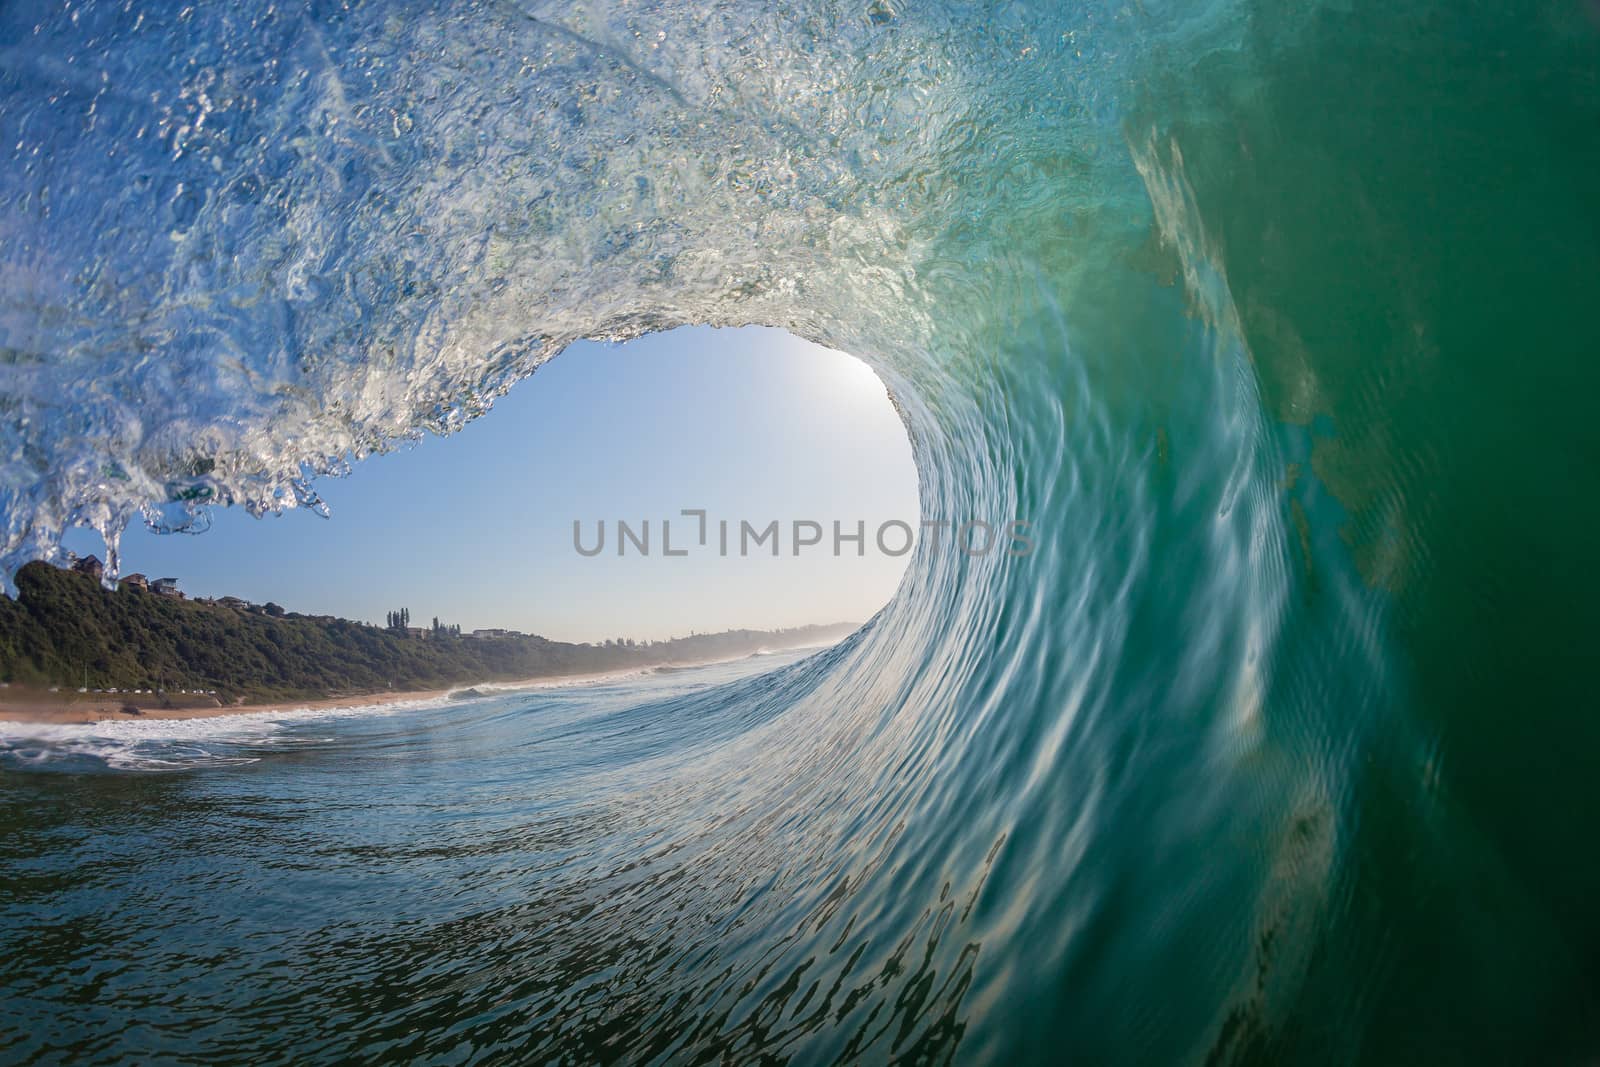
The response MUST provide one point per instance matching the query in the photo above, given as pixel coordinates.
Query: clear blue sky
(477, 528)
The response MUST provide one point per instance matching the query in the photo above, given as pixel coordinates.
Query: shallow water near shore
(378, 883)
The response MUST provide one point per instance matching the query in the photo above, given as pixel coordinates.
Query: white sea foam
(174, 744)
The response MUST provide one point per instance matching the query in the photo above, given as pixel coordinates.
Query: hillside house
(166, 587)
(91, 566)
(135, 581)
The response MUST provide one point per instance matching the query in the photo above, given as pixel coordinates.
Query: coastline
(82, 709)
(32, 706)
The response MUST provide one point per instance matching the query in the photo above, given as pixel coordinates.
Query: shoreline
(87, 709)
(20, 706)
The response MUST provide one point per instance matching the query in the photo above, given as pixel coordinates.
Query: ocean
(1275, 320)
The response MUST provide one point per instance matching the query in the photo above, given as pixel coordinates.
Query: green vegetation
(66, 629)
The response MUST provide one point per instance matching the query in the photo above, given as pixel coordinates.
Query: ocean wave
(175, 744)
(1273, 321)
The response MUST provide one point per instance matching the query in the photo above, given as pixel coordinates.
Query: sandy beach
(18, 704)
(24, 704)
(29, 704)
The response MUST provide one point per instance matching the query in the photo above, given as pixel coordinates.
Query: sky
(748, 424)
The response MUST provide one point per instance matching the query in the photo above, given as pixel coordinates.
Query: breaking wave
(1274, 323)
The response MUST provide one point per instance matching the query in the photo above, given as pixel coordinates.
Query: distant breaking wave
(1274, 320)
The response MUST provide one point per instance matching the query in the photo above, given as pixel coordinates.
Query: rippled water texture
(1276, 320)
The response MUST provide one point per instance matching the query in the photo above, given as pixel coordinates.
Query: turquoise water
(1275, 320)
